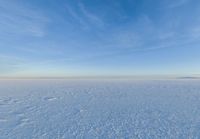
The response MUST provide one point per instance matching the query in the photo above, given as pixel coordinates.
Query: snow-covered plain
(104, 109)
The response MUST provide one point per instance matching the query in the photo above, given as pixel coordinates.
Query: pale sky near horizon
(99, 37)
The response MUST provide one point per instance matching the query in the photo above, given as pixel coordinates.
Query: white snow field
(99, 109)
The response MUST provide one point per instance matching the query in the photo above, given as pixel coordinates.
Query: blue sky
(99, 37)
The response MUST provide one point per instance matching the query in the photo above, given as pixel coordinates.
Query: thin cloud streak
(90, 16)
(178, 3)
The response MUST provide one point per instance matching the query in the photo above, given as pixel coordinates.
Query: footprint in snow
(8, 101)
(50, 98)
(24, 121)
(3, 120)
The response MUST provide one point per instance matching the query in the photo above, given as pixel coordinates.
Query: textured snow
(104, 109)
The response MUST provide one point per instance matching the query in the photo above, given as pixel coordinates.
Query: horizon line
(171, 76)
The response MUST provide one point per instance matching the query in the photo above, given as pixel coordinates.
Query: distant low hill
(188, 77)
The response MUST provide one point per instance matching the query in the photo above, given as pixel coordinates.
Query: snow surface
(104, 109)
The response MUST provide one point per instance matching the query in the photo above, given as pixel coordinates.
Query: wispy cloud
(83, 16)
(90, 16)
(195, 32)
(19, 20)
(73, 13)
(178, 3)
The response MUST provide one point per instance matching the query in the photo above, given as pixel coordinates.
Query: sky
(58, 38)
